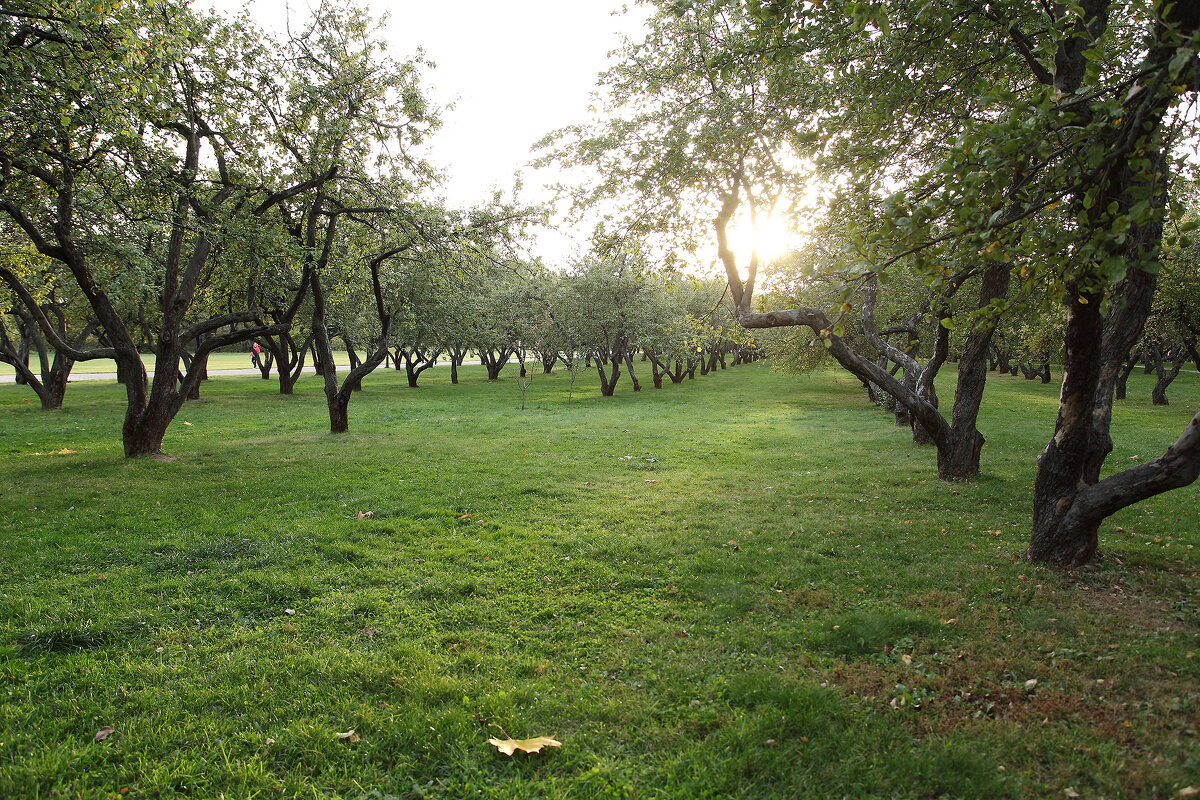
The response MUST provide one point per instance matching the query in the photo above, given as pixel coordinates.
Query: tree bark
(494, 360)
(457, 356)
(1122, 382)
(1061, 465)
(608, 384)
(1073, 539)
(1158, 395)
(637, 386)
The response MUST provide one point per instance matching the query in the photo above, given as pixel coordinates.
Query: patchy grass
(750, 585)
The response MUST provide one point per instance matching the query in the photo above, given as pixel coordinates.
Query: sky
(514, 69)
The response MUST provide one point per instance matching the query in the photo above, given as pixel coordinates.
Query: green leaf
(1182, 56)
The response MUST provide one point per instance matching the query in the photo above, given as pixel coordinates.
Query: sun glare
(772, 237)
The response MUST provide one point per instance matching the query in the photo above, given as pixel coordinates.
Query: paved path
(112, 376)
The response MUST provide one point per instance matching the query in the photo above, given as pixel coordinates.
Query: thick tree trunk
(152, 405)
(50, 389)
(457, 356)
(1158, 395)
(608, 384)
(1070, 501)
(657, 369)
(416, 361)
(966, 442)
(55, 387)
(1129, 307)
(142, 434)
(289, 360)
(495, 361)
(1073, 540)
(51, 386)
(1060, 473)
(958, 456)
(339, 413)
(194, 392)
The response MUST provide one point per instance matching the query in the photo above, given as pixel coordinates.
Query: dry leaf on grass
(103, 734)
(510, 746)
(349, 736)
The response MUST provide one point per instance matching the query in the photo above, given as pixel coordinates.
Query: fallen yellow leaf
(510, 746)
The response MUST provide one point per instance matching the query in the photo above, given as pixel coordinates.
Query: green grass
(750, 585)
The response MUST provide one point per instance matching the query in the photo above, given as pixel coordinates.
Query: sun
(772, 237)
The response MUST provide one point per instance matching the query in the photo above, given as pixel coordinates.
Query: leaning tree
(1057, 126)
(712, 124)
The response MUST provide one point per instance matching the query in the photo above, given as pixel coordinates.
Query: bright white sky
(514, 69)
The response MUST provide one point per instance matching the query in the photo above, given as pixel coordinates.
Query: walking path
(112, 376)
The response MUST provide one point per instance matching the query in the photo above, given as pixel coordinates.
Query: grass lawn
(750, 585)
